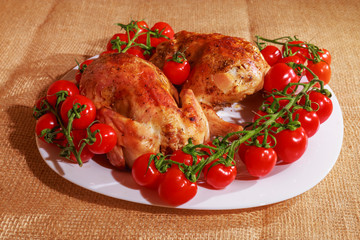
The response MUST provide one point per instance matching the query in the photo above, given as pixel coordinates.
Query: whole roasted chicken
(136, 98)
(224, 71)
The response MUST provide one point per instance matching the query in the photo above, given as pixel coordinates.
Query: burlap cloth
(39, 43)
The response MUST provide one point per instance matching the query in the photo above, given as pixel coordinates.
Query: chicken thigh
(224, 71)
(138, 101)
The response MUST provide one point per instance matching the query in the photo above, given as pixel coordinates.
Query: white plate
(284, 182)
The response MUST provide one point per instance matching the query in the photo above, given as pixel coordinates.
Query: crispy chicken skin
(224, 71)
(138, 101)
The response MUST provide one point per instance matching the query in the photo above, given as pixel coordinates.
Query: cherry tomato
(85, 64)
(219, 176)
(279, 76)
(87, 116)
(122, 37)
(324, 55)
(78, 76)
(165, 28)
(181, 157)
(245, 145)
(175, 188)
(109, 52)
(146, 174)
(295, 59)
(309, 121)
(48, 121)
(302, 52)
(320, 69)
(85, 154)
(259, 161)
(82, 68)
(177, 72)
(321, 104)
(60, 85)
(291, 145)
(281, 103)
(260, 114)
(142, 26)
(39, 104)
(242, 149)
(156, 41)
(136, 52)
(211, 151)
(40, 108)
(271, 54)
(106, 138)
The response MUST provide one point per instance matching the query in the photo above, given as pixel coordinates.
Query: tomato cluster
(67, 119)
(293, 110)
(141, 41)
(176, 177)
(311, 61)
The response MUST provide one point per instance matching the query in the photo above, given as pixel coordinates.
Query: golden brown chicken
(224, 71)
(136, 98)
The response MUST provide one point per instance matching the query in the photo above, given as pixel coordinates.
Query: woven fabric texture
(39, 43)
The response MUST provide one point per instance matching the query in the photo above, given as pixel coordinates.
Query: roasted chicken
(136, 98)
(224, 71)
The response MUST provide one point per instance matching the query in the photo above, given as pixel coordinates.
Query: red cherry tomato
(321, 104)
(82, 68)
(156, 41)
(295, 59)
(48, 121)
(320, 69)
(324, 55)
(241, 151)
(87, 116)
(281, 101)
(218, 175)
(143, 26)
(244, 146)
(279, 76)
(259, 161)
(291, 145)
(85, 64)
(106, 138)
(40, 107)
(181, 157)
(109, 52)
(302, 51)
(271, 54)
(177, 72)
(136, 52)
(85, 154)
(113, 46)
(260, 114)
(78, 76)
(175, 188)
(60, 85)
(146, 174)
(309, 121)
(164, 28)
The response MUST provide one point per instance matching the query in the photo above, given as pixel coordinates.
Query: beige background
(39, 42)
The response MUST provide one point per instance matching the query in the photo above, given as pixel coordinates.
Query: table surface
(40, 41)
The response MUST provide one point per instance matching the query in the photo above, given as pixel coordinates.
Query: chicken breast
(138, 101)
